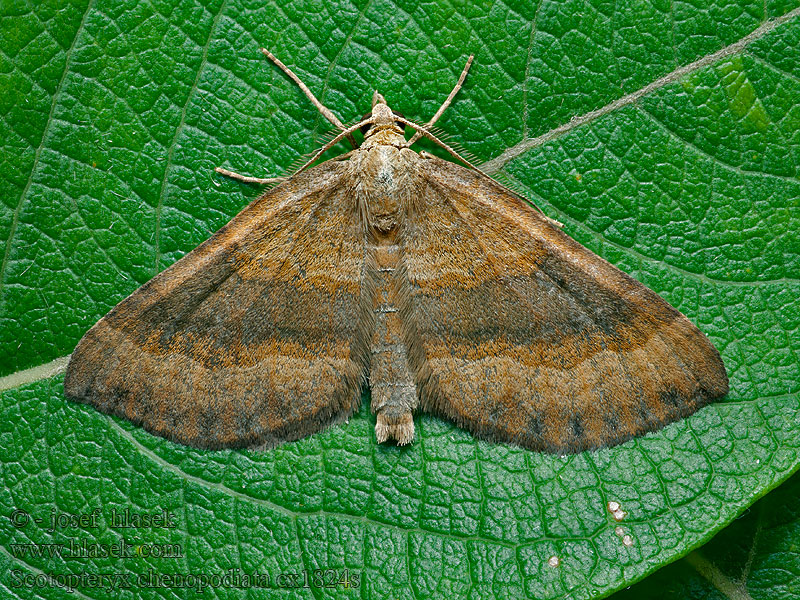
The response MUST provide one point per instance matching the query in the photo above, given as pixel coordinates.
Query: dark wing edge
(539, 342)
(255, 338)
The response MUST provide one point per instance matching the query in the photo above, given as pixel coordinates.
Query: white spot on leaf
(616, 510)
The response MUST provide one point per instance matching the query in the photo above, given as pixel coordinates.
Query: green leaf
(757, 556)
(666, 136)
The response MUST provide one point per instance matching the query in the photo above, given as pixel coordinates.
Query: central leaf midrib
(494, 165)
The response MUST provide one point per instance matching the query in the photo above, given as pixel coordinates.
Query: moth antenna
(447, 102)
(423, 131)
(459, 149)
(463, 152)
(440, 133)
(324, 110)
(247, 178)
(325, 137)
(469, 156)
(328, 136)
(335, 141)
(352, 122)
(301, 159)
(298, 162)
(512, 185)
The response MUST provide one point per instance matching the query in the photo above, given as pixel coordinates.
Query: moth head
(382, 117)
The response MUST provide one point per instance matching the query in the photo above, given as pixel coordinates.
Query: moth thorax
(383, 191)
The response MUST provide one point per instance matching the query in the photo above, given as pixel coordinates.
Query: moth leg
(247, 178)
(324, 110)
(446, 103)
(394, 391)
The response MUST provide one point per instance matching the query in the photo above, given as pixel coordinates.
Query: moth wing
(518, 333)
(253, 338)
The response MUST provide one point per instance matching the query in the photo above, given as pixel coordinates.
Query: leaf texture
(682, 173)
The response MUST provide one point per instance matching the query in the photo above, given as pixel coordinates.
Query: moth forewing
(438, 286)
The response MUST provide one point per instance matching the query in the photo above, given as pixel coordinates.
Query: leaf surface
(756, 556)
(665, 136)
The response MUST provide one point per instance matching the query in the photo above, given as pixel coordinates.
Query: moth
(439, 287)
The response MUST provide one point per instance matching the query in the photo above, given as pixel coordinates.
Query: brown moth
(444, 290)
